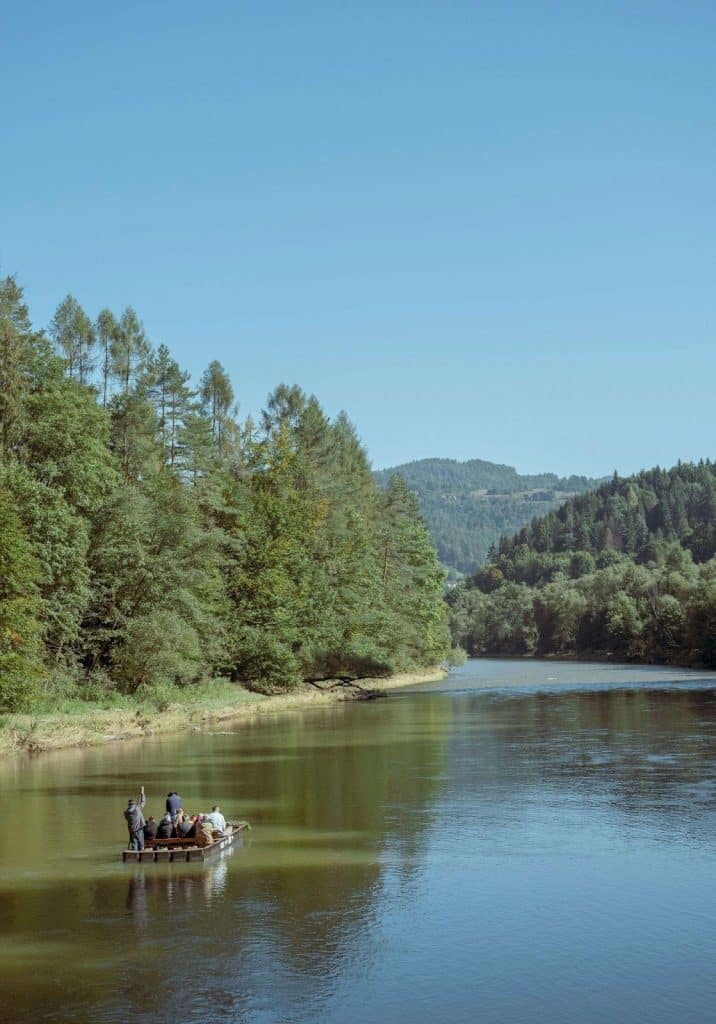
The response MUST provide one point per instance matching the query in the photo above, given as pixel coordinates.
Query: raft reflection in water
(177, 888)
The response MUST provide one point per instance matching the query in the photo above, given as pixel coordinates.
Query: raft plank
(159, 844)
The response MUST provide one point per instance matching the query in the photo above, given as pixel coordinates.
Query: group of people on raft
(176, 824)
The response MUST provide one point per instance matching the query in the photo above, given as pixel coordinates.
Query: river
(521, 842)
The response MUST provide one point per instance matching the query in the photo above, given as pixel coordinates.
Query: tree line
(627, 570)
(149, 538)
(469, 505)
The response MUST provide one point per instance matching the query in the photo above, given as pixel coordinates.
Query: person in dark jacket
(164, 830)
(174, 805)
(150, 828)
(135, 821)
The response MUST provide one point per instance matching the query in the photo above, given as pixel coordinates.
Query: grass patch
(71, 720)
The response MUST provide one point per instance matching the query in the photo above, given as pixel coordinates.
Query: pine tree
(107, 334)
(129, 351)
(74, 336)
(21, 355)
(412, 581)
(217, 397)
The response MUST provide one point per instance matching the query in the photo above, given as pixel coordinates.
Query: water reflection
(475, 852)
(152, 894)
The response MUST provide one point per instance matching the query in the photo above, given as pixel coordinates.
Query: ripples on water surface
(522, 842)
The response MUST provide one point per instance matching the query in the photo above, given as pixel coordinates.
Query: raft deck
(182, 849)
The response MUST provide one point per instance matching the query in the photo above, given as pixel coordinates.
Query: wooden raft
(182, 849)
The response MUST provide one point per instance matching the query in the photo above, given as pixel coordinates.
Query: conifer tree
(107, 334)
(21, 354)
(217, 397)
(129, 350)
(412, 580)
(74, 336)
(172, 397)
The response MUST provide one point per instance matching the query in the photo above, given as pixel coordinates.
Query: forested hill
(150, 540)
(628, 570)
(468, 506)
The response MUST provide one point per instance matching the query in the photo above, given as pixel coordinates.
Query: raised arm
(142, 799)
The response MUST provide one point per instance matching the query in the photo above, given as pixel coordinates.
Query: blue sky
(486, 230)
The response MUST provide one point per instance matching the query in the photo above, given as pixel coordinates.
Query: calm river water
(523, 842)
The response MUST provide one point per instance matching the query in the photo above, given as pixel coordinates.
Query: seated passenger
(176, 818)
(203, 831)
(164, 831)
(184, 826)
(217, 819)
(150, 828)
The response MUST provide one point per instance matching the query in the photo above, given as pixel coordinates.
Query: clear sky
(485, 229)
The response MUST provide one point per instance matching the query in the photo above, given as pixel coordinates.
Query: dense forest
(468, 506)
(148, 538)
(627, 571)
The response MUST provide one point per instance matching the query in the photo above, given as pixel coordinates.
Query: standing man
(135, 821)
(174, 804)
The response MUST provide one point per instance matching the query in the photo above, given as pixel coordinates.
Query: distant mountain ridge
(469, 505)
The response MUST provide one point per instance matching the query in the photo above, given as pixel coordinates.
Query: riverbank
(83, 724)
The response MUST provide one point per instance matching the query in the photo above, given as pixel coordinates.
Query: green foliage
(456, 657)
(59, 539)
(148, 541)
(343, 580)
(74, 335)
(161, 647)
(20, 665)
(700, 618)
(412, 580)
(22, 356)
(627, 571)
(157, 593)
(217, 397)
(468, 506)
(264, 661)
(558, 613)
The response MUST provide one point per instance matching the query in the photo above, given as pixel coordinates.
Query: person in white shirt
(217, 819)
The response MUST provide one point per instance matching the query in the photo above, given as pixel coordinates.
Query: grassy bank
(75, 723)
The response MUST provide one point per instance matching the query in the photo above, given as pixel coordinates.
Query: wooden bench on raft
(159, 844)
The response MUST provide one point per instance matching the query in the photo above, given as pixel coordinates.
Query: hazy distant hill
(469, 505)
